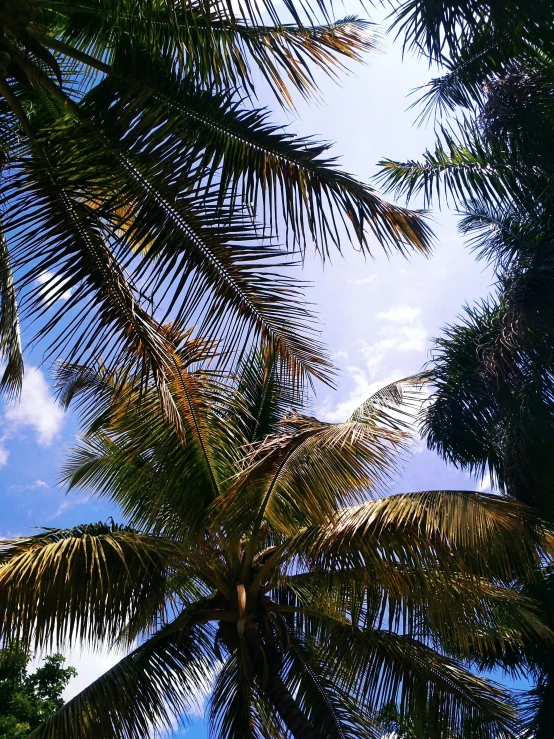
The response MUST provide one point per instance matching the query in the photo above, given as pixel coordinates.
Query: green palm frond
(427, 527)
(478, 620)
(260, 165)
(319, 615)
(460, 169)
(106, 572)
(308, 469)
(231, 711)
(227, 54)
(199, 263)
(396, 405)
(120, 460)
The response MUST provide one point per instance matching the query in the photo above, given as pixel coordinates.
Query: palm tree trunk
(288, 709)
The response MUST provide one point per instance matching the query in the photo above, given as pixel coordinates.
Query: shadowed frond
(288, 181)
(324, 701)
(460, 170)
(227, 54)
(442, 28)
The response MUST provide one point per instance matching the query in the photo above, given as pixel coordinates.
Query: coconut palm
(259, 565)
(141, 180)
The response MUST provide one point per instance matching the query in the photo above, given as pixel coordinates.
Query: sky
(378, 317)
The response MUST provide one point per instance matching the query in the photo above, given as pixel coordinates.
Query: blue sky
(378, 317)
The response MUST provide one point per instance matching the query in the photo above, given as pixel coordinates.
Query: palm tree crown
(260, 565)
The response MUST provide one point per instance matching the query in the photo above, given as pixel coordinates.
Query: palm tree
(492, 409)
(259, 564)
(140, 180)
(473, 43)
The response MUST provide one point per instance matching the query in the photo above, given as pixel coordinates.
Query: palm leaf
(427, 527)
(106, 572)
(163, 675)
(278, 174)
(10, 339)
(388, 667)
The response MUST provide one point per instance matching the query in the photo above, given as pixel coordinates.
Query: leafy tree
(260, 563)
(140, 180)
(26, 700)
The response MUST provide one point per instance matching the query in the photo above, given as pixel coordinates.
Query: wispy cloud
(402, 331)
(400, 314)
(4, 453)
(363, 388)
(33, 486)
(67, 505)
(362, 280)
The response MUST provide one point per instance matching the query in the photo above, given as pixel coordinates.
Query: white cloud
(33, 486)
(485, 484)
(362, 280)
(67, 505)
(52, 284)
(363, 388)
(340, 355)
(4, 453)
(402, 332)
(400, 314)
(36, 409)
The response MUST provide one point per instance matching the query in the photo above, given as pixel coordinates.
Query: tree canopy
(26, 700)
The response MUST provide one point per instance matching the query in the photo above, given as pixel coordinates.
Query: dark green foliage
(26, 700)
(492, 409)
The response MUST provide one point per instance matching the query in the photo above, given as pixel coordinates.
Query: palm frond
(273, 172)
(163, 675)
(80, 585)
(388, 667)
(11, 354)
(323, 701)
(231, 710)
(441, 29)
(395, 405)
(428, 528)
(460, 169)
(308, 470)
(228, 54)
